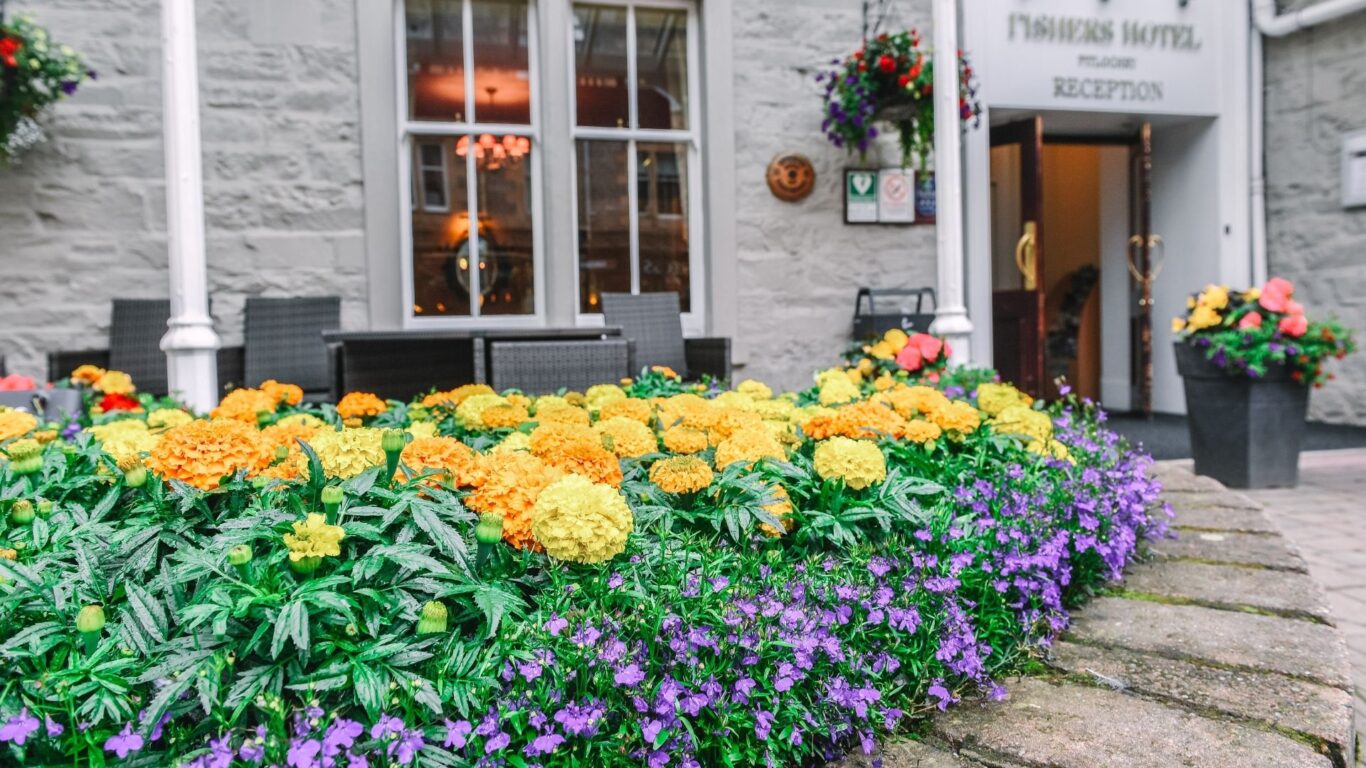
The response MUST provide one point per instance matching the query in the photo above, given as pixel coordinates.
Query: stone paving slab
(1231, 548)
(1222, 519)
(1231, 638)
(1316, 710)
(1075, 726)
(909, 754)
(1232, 587)
(1195, 499)
(1178, 479)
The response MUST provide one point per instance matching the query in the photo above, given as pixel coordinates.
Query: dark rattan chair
(541, 367)
(284, 341)
(655, 323)
(398, 369)
(135, 330)
(61, 363)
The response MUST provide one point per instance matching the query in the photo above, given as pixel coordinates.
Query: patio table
(399, 364)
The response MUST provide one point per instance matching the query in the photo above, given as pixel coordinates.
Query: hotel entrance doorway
(1067, 209)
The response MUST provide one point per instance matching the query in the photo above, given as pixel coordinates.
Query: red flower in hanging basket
(119, 403)
(886, 63)
(10, 46)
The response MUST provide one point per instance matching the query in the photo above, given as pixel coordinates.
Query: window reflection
(600, 66)
(604, 221)
(436, 60)
(662, 181)
(662, 68)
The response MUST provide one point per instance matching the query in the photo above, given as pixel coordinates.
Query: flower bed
(645, 573)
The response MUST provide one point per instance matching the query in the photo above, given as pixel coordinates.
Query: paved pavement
(1326, 518)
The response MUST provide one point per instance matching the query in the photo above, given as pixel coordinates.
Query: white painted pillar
(190, 343)
(951, 318)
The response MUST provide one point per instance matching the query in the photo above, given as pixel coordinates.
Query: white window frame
(694, 320)
(408, 129)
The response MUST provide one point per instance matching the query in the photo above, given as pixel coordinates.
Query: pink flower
(16, 382)
(1276, 294)
(1294, 308)
(1251, 320)
(1293, 326)
(909, 358)
(921, 349)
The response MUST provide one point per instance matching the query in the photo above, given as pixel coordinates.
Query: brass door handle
(1026, 255)
(1155, 267)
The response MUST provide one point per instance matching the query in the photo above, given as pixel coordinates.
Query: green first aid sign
(860, 196)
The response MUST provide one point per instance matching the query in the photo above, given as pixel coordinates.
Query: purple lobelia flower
(303, 753)
(405, 749)
(457, 733)
(544, 744)
(53, 728)
(386, 726)
(125, 742)
(19, 727)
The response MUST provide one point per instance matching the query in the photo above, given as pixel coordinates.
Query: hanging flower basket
(890, 81)
(34, 73)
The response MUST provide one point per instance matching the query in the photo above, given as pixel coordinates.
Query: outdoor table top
(457, 334)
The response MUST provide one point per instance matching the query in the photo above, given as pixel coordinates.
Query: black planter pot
(1245, 432)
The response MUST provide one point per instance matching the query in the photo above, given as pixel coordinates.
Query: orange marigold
(243, 405)
(909, 401)
(921, 431)
(288, 433)
(202, 452)
(457, 396)
(562, 414)
(781, 508)
(685, 440)
(507, 416)
(358, 405)
(447, 454)
(589, 461)
(681, 474)
(631, 408)
(509, 485)
(282, 393)
(956, 416)
(625, 437)
(555, 438)
(749, 446)
(864, 419)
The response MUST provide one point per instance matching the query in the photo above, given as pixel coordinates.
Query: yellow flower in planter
(313, 537)
(1202, 317)
(882, 351)
(837, 390)
(685, 440)
(682, 474)
(348, 452)
(125, 439)
(581, 521)
(599, 395)
(631, 408)
(896, 339)
(168, 418)
(517, 442)
(1214, 297)
(1178, 324)
(115, 383)
(859, 463)
(923, 432)
(15, 423)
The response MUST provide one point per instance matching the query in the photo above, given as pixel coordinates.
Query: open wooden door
(1018, 312)
(1142, 268)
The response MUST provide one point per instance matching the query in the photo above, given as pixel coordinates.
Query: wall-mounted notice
(880, 196)
(860, 197)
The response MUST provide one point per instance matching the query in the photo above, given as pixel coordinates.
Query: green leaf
(150, 617)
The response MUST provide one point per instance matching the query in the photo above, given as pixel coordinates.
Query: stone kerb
(1219, 651)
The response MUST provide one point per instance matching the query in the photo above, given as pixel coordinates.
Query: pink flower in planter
(16, 382)
(920, 349)
(909, 358)
(1293, 326)
(1276, 294)
(1251, 320)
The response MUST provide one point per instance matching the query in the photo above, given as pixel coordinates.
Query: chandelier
(492, 153)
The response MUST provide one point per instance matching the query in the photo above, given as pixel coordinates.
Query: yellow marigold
(115, 383)
(307, 419)
(16, 423)
(921, 431)
(994, 398)
(1051, 449)
(201, 453)
(1252, 294)
(599, 395)
(562, 414)
(631, 408)
(446, 454)
(244, 404)
(86, 374)
(836, 390)
(505, 416)
(859, 463)
(581, 521)
(687, 409)
(457, 396)
(422, 429)
(282, 393)
(749, 446)
(576, 399)
(734, 400)
(775, 410)
(780, 508)
(359, 405)
(1178, 324)
(685, 440)
(1023, 420)
(518, 399)
(896, 339)
(626, 438)
(956, 416)
(515, 442)
(884, 382)
(551, 438)
(348, 452)
(755, 389)
(21, 449)
(125, 439)
(509, 485)
(313, 537)
(168, 418)
(591, 461)
(470, 412)
(728, 421)
(681, 474)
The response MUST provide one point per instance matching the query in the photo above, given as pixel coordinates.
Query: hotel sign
(1138, 56)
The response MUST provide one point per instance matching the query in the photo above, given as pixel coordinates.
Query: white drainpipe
(951, 315)
(1266, 22)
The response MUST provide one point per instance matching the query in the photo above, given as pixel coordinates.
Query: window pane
(604, 222)
(441, 244)
(436, 60)
(506, 270)
(662, 68)
(502, 74)
(662, 179)
(600, 66)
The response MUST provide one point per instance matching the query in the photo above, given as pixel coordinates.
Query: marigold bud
(281, 452)
(332, 495)
(21, 513)
(264, 419)
(490, 528)
(305, 565)
(392, 441)
(135, 477)
(90, 619)
(45, 507)
(239, 555)
(433, 618)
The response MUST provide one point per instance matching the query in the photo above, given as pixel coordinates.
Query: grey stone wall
(799, 264)
(1315, 94)
(83, 218)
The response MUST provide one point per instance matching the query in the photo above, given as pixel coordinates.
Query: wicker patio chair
(61, 363)
(400, 369)
(655, 323)
(284, 341)
(542, 367)
(135, 330)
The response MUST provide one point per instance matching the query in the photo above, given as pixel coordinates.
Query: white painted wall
(1116, 390)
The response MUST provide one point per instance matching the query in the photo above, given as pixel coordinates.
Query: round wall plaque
(791, 177)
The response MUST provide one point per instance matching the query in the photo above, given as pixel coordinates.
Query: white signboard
(860, 197)
(1134, 56)
(895, 196)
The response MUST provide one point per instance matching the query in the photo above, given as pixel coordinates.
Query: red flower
(8, 47)
(886, 63)
(119, 403)
(903, 81)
